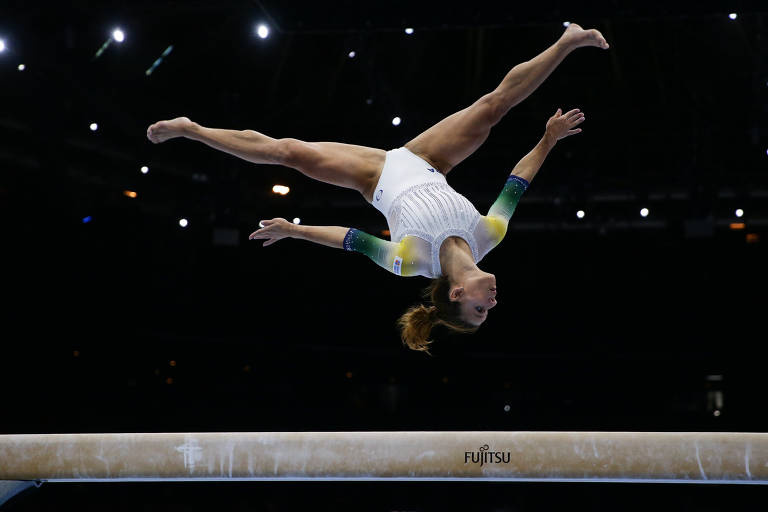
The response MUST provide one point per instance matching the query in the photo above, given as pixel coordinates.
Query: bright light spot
(118, 35)
(716, 412)
(396, 121)
(507, 408)
(280, 189)
(580, 214)
(566, 23)
(22, 67)
(409, 31)
(739, 212)
(129, 193)
(94, 127)
(733, 16)
(352, 54)
(87, 219)
(262, 31)
(183, 223)
(144, 169)
(2, 45)
(296, 220)
(644, 212)
(261, 223)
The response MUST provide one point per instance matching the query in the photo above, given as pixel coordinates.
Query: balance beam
(700, 457)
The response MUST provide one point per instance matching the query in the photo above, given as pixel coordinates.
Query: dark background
(130, 323)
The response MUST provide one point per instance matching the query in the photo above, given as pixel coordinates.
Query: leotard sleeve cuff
(349, 239)
(522, 181)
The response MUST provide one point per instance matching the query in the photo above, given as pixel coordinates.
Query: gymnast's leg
(345, 165)
(456, 137)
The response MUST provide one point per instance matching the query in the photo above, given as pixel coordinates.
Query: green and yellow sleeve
(400, 258)
(502, 209)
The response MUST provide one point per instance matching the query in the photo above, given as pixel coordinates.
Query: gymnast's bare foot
(162, 131)
(576, 37)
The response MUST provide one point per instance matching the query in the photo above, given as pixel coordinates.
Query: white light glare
(352, 54)
(281, 189)
(118, 35)
(644, 212)
(183, 223)
(22, 67)
(144, 169)
(94, 127)
(396, 121)
(566, 23)
(733, 15)
(739, 212)
(262, 31)
(296, 220)
(2, 46)
(409, 31)
(580, 214)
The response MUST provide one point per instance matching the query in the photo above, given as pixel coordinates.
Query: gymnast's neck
(456, 259)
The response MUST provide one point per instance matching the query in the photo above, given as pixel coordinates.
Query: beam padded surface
(552, 456)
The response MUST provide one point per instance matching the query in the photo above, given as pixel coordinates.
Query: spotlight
(2, 46)
(296, 220)
(94, 127)
(409, 31)
(118, 35)
(396, 121)
(129, 193)
(144, 169)
(22, 67)
(566, 23)
(507, 408)
(352, 55)
(733, 16)
(644, 212)
(739, 212)
(183, 223)
(87, 219)
(262, 31)
(281, 189)
(580, 214)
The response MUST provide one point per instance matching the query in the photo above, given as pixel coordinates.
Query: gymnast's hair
(416, 323)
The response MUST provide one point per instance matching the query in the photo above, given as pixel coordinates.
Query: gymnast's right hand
(161, 131)
(273, 230)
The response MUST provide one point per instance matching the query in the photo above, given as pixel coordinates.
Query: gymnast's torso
(422, 211)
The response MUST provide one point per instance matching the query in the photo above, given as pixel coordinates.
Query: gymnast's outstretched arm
(558, 127)
(400, 258)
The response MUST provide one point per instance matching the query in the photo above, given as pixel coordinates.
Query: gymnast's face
(477, 296)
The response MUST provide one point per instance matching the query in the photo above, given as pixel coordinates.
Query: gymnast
(435, 231)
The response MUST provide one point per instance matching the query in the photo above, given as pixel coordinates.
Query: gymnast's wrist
(297, 231)
(549, 140)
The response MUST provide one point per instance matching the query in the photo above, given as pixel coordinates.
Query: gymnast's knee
(291, 152)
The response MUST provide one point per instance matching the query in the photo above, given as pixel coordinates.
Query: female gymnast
(435, 232)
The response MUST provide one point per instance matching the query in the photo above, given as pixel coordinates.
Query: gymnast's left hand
(273, 230)
(562, 125)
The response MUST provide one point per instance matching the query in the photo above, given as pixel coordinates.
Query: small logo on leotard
(378, 194)
(397, 266)
(430, 169)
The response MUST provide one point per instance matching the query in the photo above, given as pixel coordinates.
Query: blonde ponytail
(416, 324)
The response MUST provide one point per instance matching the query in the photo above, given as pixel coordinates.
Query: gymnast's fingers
(577, 120)
(571, 113)
(573, 132)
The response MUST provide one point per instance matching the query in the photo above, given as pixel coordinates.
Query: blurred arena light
(281, 189)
